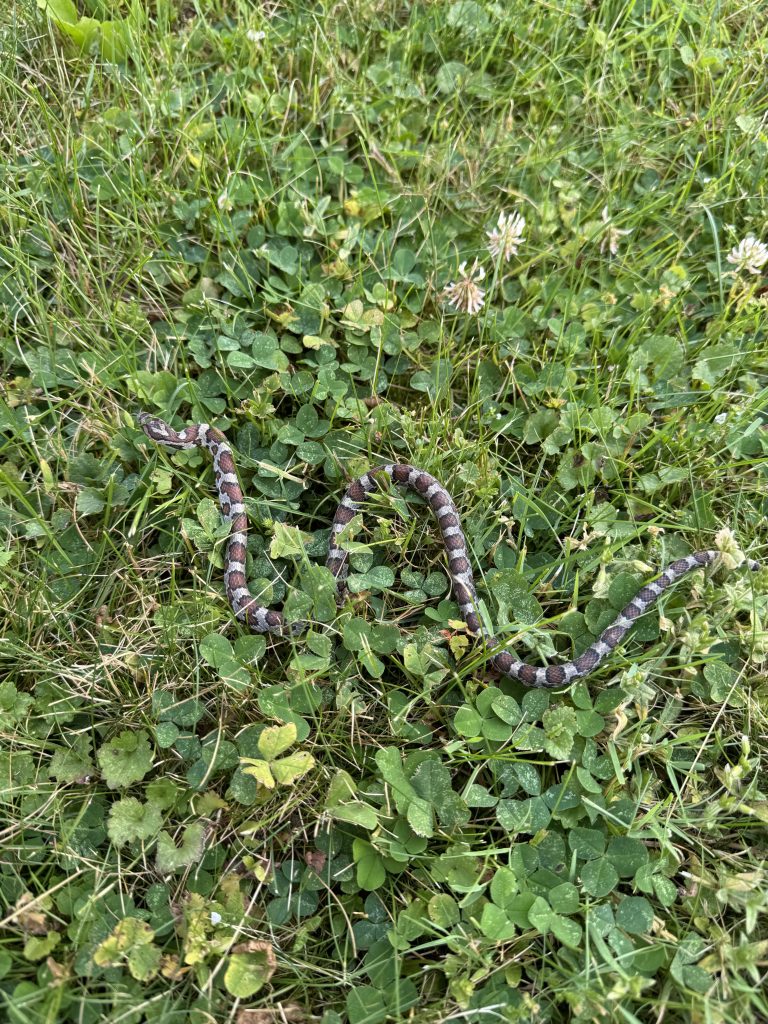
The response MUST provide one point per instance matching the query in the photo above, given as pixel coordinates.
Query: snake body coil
(267, 620)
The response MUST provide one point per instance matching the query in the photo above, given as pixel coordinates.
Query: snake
(261, 619)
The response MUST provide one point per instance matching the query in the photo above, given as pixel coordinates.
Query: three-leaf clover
(271, 769)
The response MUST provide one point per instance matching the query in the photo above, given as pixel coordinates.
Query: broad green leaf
(540, 915)
(586, 843)
(432, 781)
(132, 941)
(341, 789)
(370, 871)
(507, 709)
(72, 764)
(144, 962)
(247, 972)
(504, 887)
(443, 911)
(627, 855)
(564, 898)
(365, 1005)
(420, 817)
(599, 877)
(390, 764)
(249, 648)
(355, 813)
(635, 915)
(566, 931)
(523, 815)
(495, 925)
(60, 10)
(216, 649)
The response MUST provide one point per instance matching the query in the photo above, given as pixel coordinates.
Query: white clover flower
(749, 255)
(253, 36)
(507, 235)
(465, 294)
(611, 235)
(730, 553)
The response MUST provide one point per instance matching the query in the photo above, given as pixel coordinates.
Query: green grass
(256, 232)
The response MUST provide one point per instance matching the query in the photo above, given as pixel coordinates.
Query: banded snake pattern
(261, 619)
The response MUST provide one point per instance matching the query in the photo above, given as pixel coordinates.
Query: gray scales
(267, 620)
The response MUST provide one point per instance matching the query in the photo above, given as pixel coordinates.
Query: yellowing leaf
(275, 739)
(260, 771)
(288, 769)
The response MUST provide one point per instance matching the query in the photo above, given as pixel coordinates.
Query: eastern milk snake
(266, 620)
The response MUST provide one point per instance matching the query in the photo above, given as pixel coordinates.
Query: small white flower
(253, 36)
(611, 235)
(507, 235)
(215, 917)
(465, 294)
(224, 202)
(721, 418)
(731, 554)
(749, 255)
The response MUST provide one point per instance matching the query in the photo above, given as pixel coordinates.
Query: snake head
(154, 427)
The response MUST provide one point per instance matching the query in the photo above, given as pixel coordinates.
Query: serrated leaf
(131, 820)
(171, 857)
(560, 725)
(131, 941)
(144, 962)
(72, 764)
(90, 501)
(39, 947)
(125, 759)
(512, 594)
